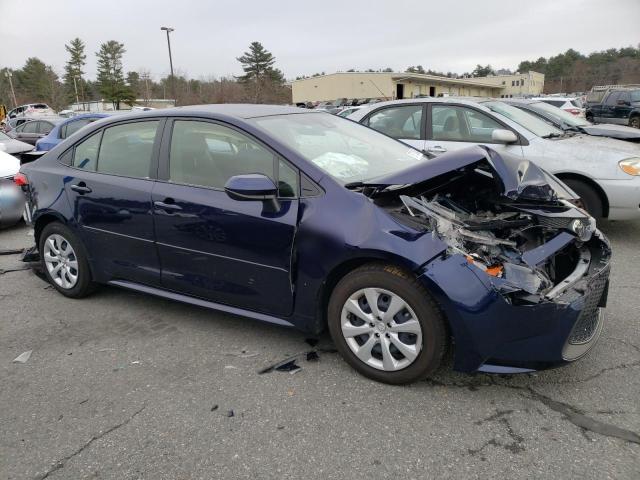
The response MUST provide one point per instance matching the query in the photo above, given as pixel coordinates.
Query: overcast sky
(314, 36)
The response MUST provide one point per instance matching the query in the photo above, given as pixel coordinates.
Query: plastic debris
(135, 362)
(230, 414)
(11, 251)
(289, 366)
(214, 408)
(312, 356)
(23, 357)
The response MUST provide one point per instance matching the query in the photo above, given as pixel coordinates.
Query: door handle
(436, 149)
(168, 205)
(81, 188)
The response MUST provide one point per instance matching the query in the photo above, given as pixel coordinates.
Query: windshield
(559, 114)
(347, 151)
(524, 119)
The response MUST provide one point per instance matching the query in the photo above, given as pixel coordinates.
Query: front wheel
(386, 325)
(635, 121)
(64, 261)
(589, 197)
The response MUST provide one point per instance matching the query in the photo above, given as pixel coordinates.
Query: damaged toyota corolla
(309, 220)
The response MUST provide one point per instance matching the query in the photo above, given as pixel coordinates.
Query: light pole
(8, 74)
(173, 79)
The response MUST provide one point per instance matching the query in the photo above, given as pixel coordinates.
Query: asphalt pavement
(126, 386)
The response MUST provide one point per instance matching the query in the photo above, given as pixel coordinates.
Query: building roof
(412, 76)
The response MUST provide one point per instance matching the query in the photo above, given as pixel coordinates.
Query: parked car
(12, 198)
(620, 106)
(30, 132)
(65, 128)
(12, 123)
(570, 123)
(14, 147)
(309, 220)
(568, 104)
(345, 112)
(604, 172)
(31, 109)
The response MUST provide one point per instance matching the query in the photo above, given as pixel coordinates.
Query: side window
(86, 153)
(461, 124)
(287, 180)
(612, 98)
(67, 157)
(398, 122)
(30, 127)
(624, 97)
(72, 127)
(44, 127)
(208, 154)
(127, 149)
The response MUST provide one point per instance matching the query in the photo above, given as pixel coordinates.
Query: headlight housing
(630, 166)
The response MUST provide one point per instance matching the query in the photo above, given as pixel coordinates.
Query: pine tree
(74, 69)
(258, 68)
(110, 79)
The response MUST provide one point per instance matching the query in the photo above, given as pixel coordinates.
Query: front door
(109, 187)
(455, 126)
(404, 123)
(228, 251)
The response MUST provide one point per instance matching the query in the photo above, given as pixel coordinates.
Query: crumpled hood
(520, 178)
(621, 132)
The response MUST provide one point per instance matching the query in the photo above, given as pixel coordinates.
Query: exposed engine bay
(530, 238)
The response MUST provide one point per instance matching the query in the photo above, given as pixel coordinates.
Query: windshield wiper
(552, 135)
(353, 185)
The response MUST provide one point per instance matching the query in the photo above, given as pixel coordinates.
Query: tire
(634, 121)
(589, 118)
(390, 286)
(589, 196)
(58, 242)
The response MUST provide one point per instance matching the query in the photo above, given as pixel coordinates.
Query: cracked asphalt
(126, 386)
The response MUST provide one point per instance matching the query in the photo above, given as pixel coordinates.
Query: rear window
(555, 103)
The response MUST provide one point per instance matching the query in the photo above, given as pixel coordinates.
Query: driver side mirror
(503, 136)
(252, 187)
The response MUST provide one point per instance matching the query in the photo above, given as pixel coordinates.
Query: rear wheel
(64, 261)
(589, 118)
(635, 121)
(386, 325)
(589, 197)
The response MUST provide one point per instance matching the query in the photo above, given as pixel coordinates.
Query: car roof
(239, 110)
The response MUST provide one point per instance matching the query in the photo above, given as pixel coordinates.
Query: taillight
(573, 111)
(20, 179)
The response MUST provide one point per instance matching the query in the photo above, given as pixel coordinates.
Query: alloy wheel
(381, 329)
(61, 261)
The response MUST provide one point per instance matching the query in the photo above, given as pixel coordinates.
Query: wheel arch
(42, 221)
(340, 270)
(591, 183)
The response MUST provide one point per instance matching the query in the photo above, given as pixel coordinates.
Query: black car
(619, 105)
(570, 123)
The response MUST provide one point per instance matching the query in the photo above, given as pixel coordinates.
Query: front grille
(587, 324)
(555, 223)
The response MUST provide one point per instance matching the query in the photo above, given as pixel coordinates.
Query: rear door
(233, 252)
(28, 132)
(109, 188)
(402, 122)
(607, 114)
(452, 127)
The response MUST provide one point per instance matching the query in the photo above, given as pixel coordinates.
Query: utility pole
(8, 74)
(75, 87)
(173, 78)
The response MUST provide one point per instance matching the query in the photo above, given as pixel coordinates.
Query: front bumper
(494, 334)
(623, 197)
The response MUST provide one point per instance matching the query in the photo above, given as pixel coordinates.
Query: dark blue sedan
(309, 220)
